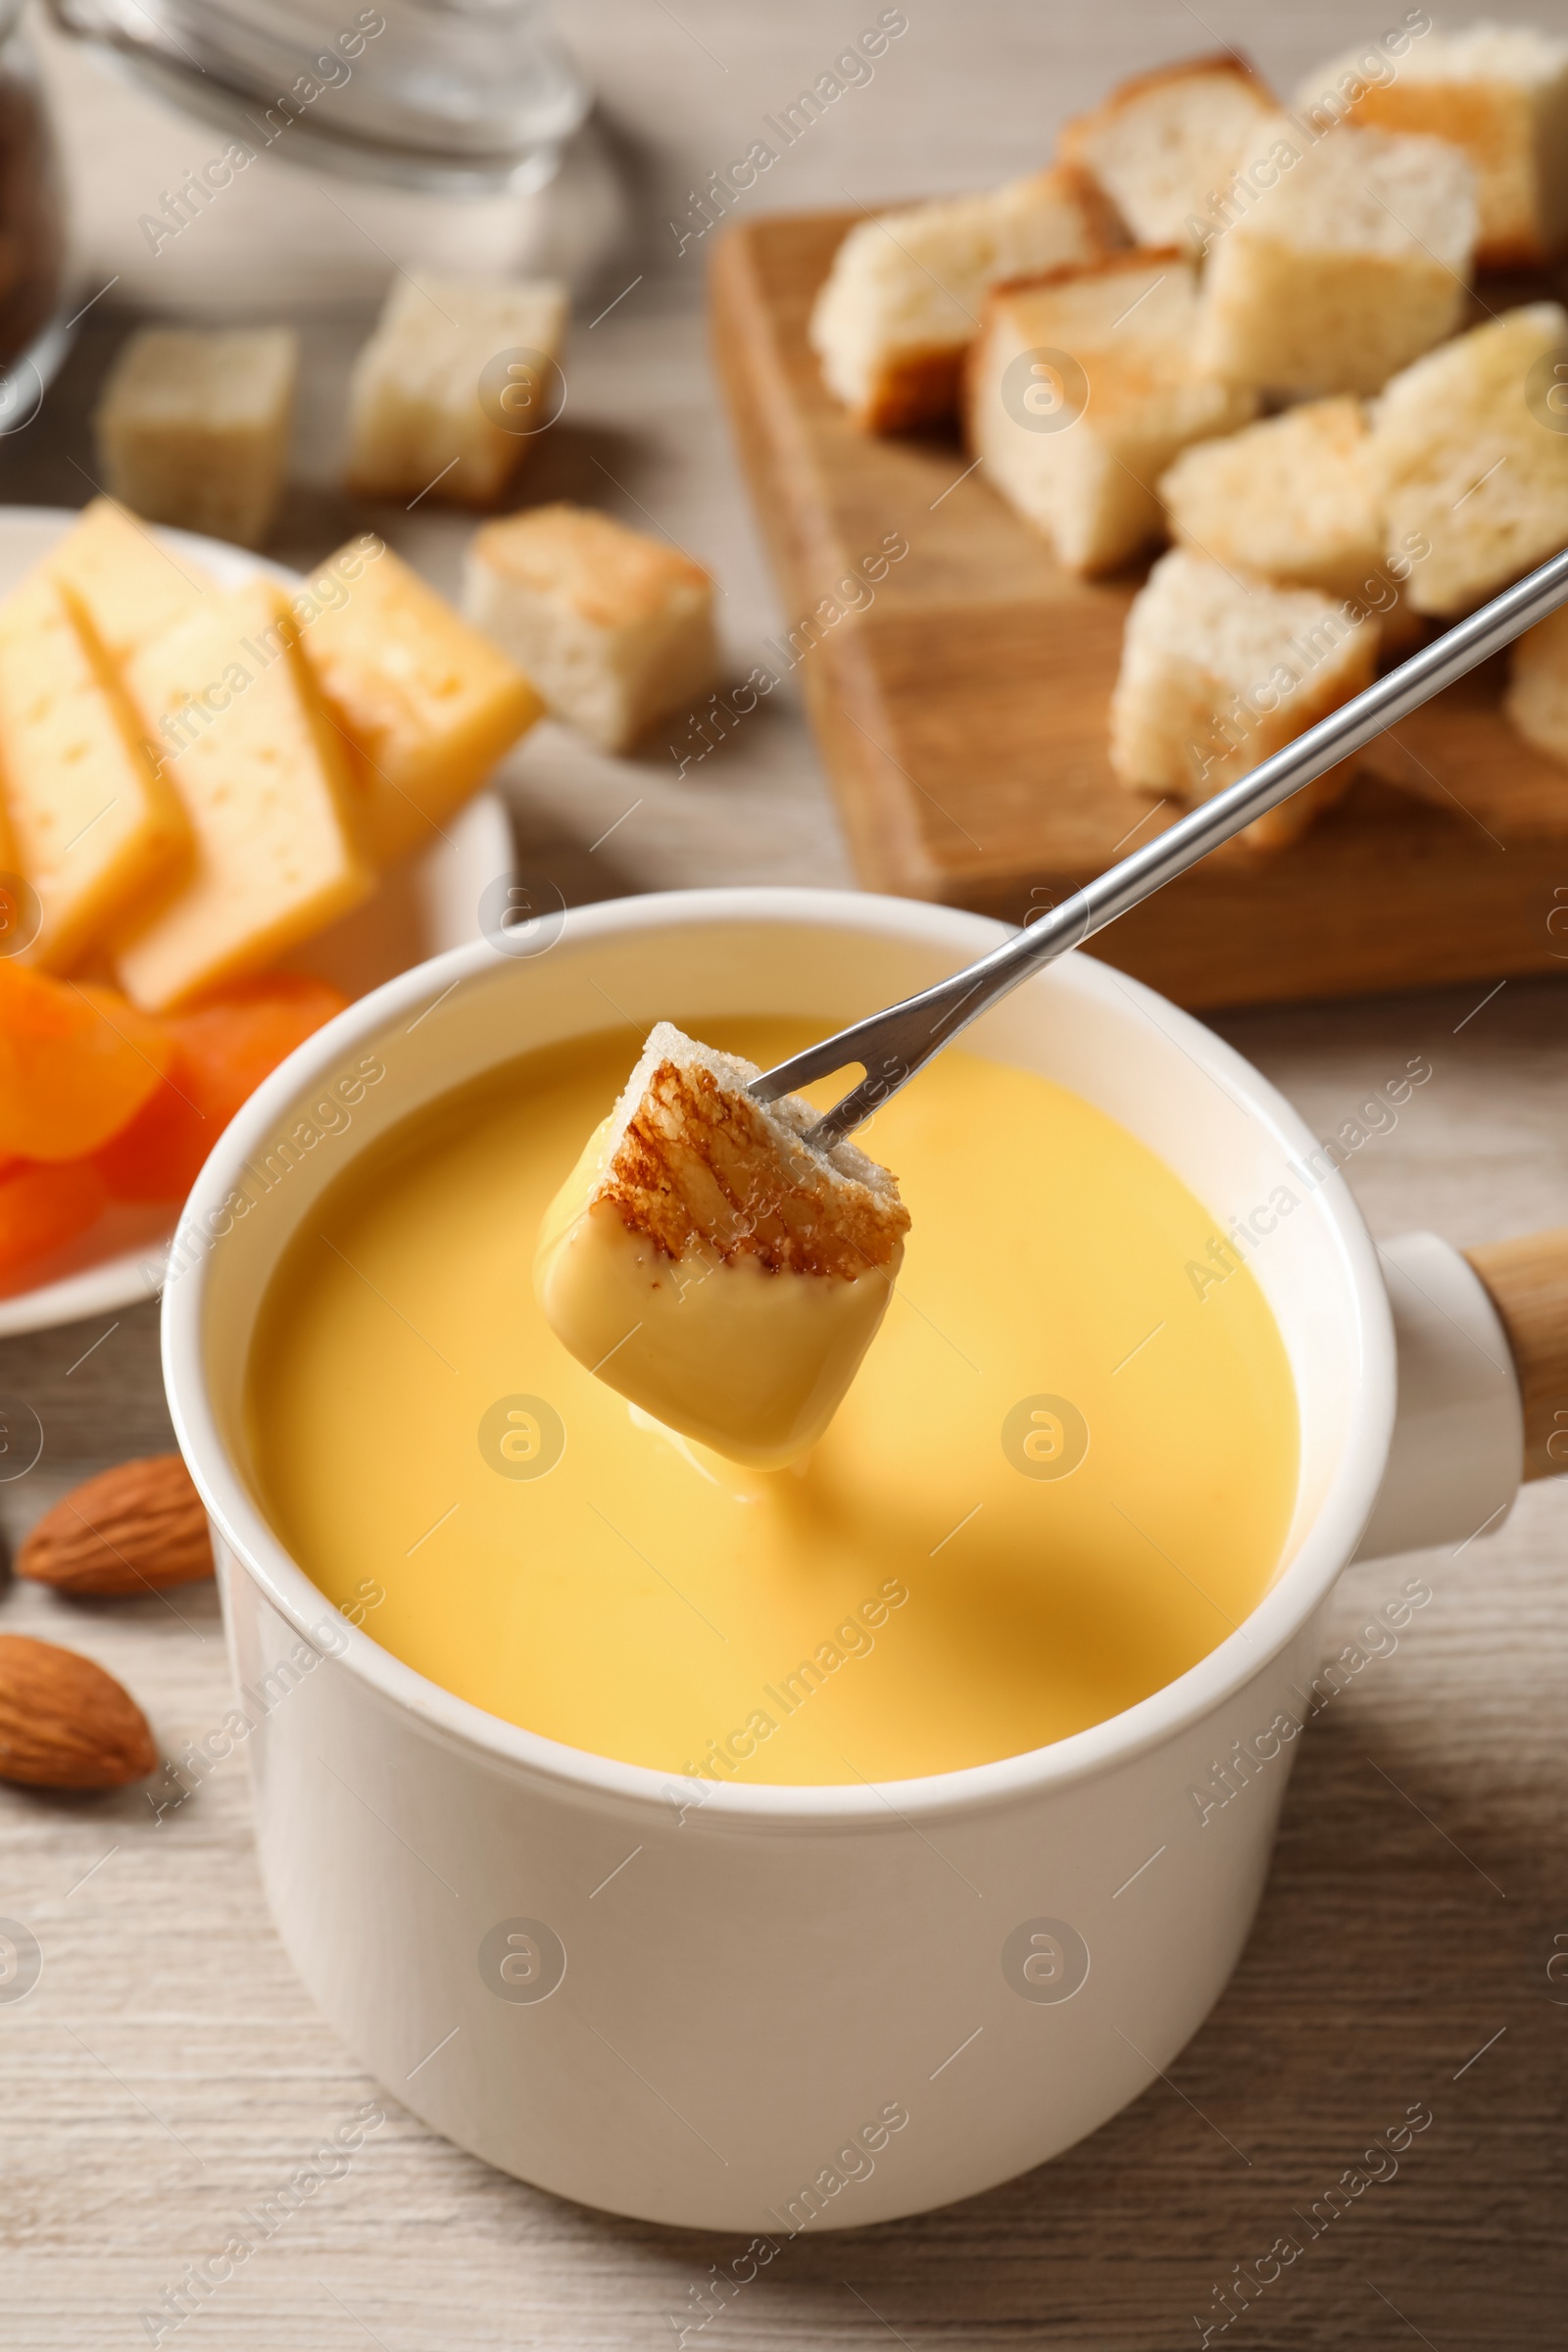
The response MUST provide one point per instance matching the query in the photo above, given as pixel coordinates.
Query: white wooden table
(168, 2072)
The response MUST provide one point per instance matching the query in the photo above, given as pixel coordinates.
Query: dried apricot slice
(76, 1064)
(41, 1207)
(235, 1041)
(222, 1051)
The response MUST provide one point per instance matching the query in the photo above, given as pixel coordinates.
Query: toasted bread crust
(700, 1166)
(610, 575)
(1100, 219)
(1075, 132)
(1109, 264)
(918, 386)
(1513, 252)
(973, 358)
(913, 390)
(1479, 117)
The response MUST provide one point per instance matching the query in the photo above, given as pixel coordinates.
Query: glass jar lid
(450, 94)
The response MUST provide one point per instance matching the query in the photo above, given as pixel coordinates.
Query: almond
(132, 1529)
(66, 1724)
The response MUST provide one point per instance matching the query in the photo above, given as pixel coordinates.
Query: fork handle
(892, 1046)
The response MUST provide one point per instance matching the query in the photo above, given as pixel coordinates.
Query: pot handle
(1483, 1386)
(1527, 1282)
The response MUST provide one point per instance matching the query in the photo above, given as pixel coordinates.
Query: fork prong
(853, 1109)
(802, 1069)
(850, 1111)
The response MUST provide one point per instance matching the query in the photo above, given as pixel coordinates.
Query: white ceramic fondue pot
(805, 2007)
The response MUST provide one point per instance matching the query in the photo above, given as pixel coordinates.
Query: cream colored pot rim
(547, 1764)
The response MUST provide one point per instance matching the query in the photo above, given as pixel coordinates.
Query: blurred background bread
(614, 628)
(1080, 390)
(1500, 93)
(1293, 497)
(1163, 141)
(902, 304)
(1218, 671)
(1351, 259)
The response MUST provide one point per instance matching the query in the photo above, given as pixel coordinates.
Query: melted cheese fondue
(1059, 1479)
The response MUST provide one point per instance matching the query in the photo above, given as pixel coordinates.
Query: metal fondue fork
(891, 1045)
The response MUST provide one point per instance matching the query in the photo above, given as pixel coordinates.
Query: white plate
(418, 910)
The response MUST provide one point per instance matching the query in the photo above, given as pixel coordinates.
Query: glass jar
(456, 95)
(33, 335)
(245, 159)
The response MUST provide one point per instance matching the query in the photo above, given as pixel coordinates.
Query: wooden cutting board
(959, 702)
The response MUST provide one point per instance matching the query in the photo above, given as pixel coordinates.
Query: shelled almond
(136, 1527)
(64, 1723)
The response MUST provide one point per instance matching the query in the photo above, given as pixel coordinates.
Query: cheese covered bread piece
(1469, 459)
(192, 427)
(1293, 497)
(1342, 261)
(615, 630)
(129, 584)
(1218, 672)
(95, 827)
(1082, 390)
(1161, 142)
(901, 303)
(422, 703)
(452, 389)
(711, 1266)
(262, 778)
(1498, 92)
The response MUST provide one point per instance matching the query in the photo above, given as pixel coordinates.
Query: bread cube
(900, 305)
(613, 628)
(1471, 460)
(1080, 392)
(1537, 700)
(1161, 142)
(192, 427)
(122, 577)
(1342, 259)
(262, 778)
(1498, 92)
(1218, 672)
(1292, 498)
(95, 827)
(454, 388)
(726, 1277)
(424, 704)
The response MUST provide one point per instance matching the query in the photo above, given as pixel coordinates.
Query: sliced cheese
(95, 829)
(130, 585)
(262, 780)
(428, 704)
